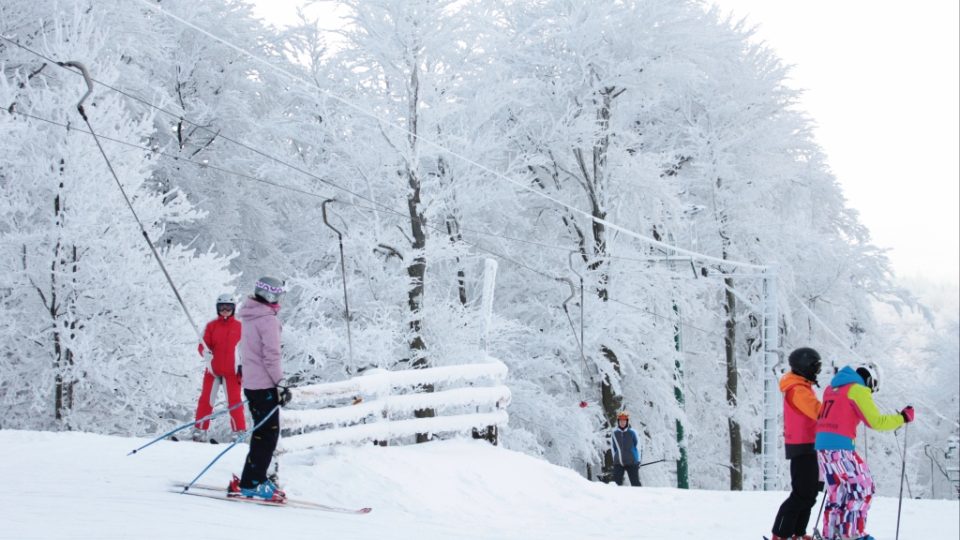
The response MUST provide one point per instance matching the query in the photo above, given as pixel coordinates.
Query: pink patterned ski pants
(849, 492)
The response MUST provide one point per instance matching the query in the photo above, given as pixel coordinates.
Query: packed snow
(71, 485)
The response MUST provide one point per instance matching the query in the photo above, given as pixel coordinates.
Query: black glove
(286, 396)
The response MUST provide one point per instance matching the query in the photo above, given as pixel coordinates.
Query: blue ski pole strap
(227, 449)
(188, 424)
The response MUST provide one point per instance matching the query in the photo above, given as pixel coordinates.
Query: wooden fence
(379, 406)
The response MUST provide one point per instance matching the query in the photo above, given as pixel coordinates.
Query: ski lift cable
(359, 206)
(332, 184)
(264, 154)
(166, 155)
(274, 184)
(195, 124)
(440, 147)
(692, 255)
(308, 193)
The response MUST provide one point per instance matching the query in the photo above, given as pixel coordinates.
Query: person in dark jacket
(262, 376)
(800, 410)
(626, 451)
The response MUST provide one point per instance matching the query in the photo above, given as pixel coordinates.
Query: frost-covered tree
(574, 71)
(93, 338)
(735, 153)
(405, 58)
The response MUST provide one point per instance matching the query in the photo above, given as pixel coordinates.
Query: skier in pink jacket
(262, 378)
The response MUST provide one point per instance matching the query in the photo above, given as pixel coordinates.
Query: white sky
(882, 82)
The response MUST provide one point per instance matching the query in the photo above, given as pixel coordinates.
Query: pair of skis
(215, 492)
(174, 438)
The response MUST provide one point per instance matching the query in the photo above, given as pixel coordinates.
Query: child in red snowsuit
(220, 340)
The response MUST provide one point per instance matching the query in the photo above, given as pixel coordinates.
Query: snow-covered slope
(77, 485)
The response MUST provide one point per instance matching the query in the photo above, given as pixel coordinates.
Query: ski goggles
(225, 307)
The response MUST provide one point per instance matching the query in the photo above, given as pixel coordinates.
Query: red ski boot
(233, 488)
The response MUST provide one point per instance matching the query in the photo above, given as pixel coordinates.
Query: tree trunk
(611, 400)
(729, 345)
(416, 270)
(594, 180)
(62, 327)
(682, 465)
(453, 230)
(418, 267)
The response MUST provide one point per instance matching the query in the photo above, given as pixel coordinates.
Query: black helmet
(870, 378)
(805, 362)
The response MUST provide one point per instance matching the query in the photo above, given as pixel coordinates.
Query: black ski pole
(903, 472)
(816, 528)
(188, 424)
(227, 449)
(652, 462)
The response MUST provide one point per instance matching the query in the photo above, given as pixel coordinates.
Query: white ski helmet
(226, 300)
(871, 376)
(269, 289)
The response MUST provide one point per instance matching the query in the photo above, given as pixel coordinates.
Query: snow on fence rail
(472, 397)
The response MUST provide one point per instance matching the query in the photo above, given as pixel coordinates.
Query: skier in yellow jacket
(847, 402)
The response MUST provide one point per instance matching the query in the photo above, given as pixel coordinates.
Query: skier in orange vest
(800, 410)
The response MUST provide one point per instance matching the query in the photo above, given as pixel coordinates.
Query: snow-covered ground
(78, 485)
